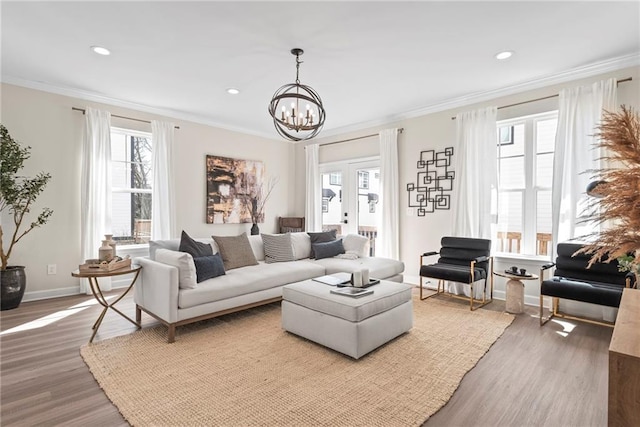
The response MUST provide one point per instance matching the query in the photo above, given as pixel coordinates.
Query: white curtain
(475, 183)
(162, 199)
(474, 163)
(313, 206)
(389, 245)
(95, 196)
(579, 113)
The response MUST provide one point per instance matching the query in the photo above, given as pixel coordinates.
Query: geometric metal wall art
(434, 181)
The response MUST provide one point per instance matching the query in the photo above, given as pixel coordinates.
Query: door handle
(346, 221)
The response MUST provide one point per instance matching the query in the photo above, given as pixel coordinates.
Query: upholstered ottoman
(353, 326)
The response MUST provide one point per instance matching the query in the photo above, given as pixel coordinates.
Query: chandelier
(297, 109)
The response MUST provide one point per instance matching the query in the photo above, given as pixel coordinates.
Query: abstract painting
(232, 184)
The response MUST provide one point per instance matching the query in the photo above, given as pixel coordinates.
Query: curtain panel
(162, 198)
(313, 204)
(389, 235)
(579, 113)
(95, 218)
(475, 167)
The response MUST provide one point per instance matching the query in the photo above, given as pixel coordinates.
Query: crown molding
(94, 97)
(537, 83)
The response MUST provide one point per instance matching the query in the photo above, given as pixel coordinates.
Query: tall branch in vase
(618, 210)
(255, 202)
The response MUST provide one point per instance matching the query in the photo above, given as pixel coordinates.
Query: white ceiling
(371, 62)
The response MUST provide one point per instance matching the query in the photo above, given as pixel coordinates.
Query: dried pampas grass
(619, 207)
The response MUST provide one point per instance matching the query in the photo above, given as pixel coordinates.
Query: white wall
(435, 132)
(46, 122)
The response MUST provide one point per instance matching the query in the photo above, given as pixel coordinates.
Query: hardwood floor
(550, 376)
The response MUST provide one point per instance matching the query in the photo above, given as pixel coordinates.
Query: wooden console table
(624, 362)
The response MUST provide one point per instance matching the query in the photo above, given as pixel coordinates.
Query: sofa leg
(138, 315)
(171, 333)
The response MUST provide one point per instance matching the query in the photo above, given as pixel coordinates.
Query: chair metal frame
(484, 301)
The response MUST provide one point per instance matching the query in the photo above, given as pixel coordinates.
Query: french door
(350, 198)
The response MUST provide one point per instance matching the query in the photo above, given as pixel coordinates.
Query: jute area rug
(244, 370)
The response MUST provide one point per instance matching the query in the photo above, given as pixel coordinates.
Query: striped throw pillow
(277, 248)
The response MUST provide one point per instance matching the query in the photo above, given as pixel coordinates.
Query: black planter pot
(255, 230)
(13, 283)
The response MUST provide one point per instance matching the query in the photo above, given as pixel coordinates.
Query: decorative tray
(106, 266)
(518, 274)
(371, 283)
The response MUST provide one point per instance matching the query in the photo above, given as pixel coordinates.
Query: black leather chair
(463, 260)
(601, 283)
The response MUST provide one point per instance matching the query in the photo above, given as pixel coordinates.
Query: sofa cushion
(608, 294)
(379, 268)
(208, 267)
(325, 236)
(301, 243)
(357, 244)
(246, 280)
(327, 249)
(277, 248)
(193, 247)
(236, 251)
(257, 247)
(187, 278)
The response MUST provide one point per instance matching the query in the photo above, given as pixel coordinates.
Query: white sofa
(158, 294)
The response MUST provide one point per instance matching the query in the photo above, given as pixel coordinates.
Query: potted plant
(17, 195)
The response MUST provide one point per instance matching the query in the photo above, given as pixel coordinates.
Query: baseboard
(70, 291)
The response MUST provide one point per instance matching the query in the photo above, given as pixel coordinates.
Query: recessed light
(233, 91)
(101, 50)
(504, 55)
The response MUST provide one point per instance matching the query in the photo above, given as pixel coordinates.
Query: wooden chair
(542, 241)
(511, 238)
(290, 224)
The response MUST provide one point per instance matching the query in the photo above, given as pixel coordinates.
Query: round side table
(515, 290)
(98, 295)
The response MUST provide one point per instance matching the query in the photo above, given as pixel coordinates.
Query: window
(132, 181)
(335, 178)
(525, 170)
(363, 179)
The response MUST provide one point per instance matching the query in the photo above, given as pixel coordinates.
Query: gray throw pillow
(196, 249)
(325, 236)
(277, 248)
(327, 249)
(208, 267)
(235, 251)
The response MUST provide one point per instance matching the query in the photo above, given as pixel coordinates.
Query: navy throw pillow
(325, 236)
(194, 248)
(208, 267)
(328, 249)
